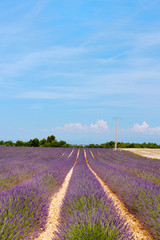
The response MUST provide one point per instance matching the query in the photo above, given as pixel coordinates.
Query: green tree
(51, 138)
(34, 142)
(43, 141)
(9, 143)
(1, 142)
(62, 144)
(19, 143)
(54, 143)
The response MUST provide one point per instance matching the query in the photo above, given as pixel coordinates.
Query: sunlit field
(31, 177)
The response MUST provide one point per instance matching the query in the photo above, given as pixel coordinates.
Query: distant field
(62, 193)
(146, 152)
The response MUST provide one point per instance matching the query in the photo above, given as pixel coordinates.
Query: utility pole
(115, 118)
(116, 137)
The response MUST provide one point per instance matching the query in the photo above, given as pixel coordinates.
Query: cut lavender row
(24, 208)
(87, 213)
(141, 196)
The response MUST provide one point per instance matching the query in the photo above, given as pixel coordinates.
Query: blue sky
(68, 67)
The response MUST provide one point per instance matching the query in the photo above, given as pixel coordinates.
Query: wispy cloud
(36, 106)
(100, 58)
(147, 4)
(46, 95)
(31, 61)
(38, 7)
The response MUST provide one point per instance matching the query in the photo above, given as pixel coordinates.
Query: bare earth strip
(55, 208)
(139, 233)
(70, 153)
(145, 152)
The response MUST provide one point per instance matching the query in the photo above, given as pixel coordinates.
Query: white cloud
(144, 128)
(140, 128)
(155, 130)
(99, 126)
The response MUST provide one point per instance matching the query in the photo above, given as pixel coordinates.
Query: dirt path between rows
(55, 208)
(70, 154)
(139, 233)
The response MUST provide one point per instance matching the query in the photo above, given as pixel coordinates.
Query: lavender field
(135, 180)
(29, 177)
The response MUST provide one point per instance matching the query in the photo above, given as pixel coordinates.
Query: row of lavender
(142, 167)
(32, 176)
(136, 180)
(21, 164)
(87, 213)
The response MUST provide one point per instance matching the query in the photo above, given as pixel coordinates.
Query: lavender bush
(18, 165)
(131, 163)
(87, 212)
(24, 207)
(125, 174)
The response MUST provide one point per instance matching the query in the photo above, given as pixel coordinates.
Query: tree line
(111, 144)
(51, 141)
